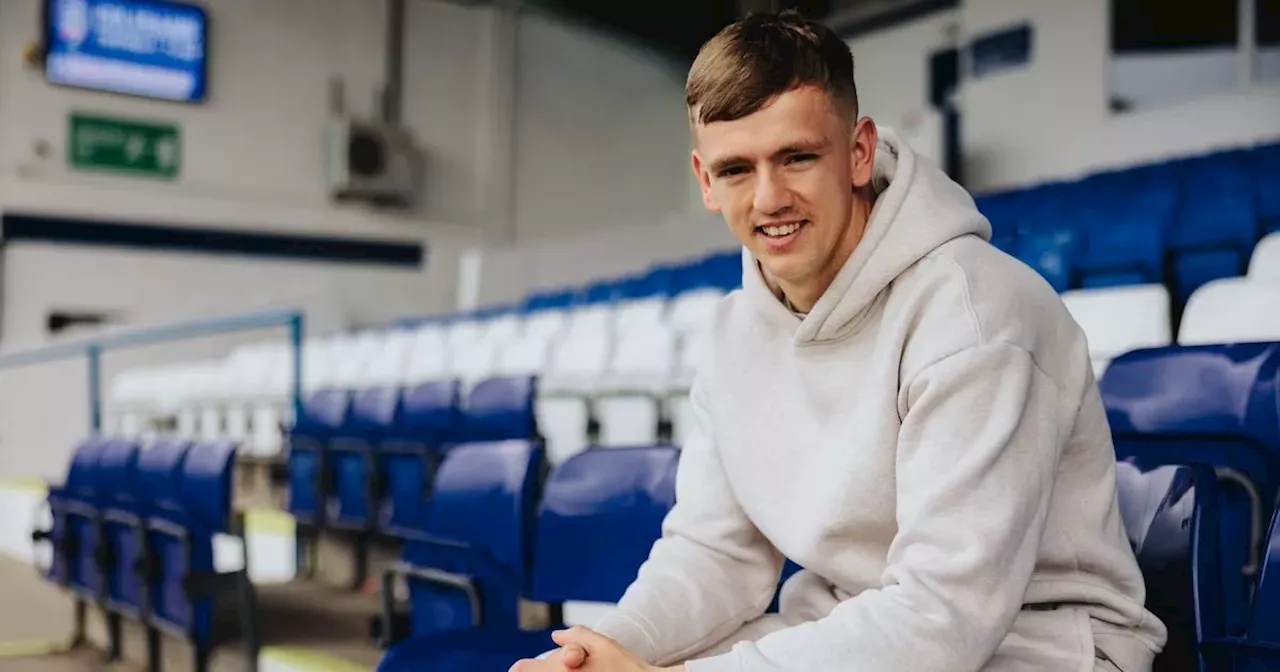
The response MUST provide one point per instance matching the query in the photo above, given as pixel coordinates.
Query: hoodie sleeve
(711, 572)
(977, 455)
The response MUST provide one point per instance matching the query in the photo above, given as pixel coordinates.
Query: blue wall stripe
(25, 227)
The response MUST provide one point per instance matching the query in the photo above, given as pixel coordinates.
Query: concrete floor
(309, 616)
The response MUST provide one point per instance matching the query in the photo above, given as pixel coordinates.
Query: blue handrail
(92, 348)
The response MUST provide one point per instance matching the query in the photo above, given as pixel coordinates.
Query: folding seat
(629, 399)
(119, 544)
(1232, 310)
(324, 414)
(503, 328)
(576, 365)
(691, 311)
(387, 366)
(639, 313)
(1258, 649)
(353, 361)
(467, 563)
(1264, 265)
(430, 416)
(1053, 252)
(1264, 168)
(1116, 320)
(358, 473)
(428, 355)
(197, 556)
(499, 409)
(601, 512)
(1125, 217)
(1170, 515)
(1216, 227)
(74, 534)
(1215, 405)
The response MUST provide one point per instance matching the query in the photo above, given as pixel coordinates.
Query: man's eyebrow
(799, 147)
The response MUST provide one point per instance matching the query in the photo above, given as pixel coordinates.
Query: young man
(890, 401)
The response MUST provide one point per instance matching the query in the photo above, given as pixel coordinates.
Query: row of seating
(1181, 223)
(146, 532)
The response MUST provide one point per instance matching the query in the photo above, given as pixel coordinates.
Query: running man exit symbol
(114, 144)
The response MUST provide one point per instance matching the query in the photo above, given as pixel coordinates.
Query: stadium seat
(1125, 217)
(429, 419)
(600, 514)
(1232, 310)
(358, 474)
(1116, 320)
(428, 355)
(645, 313)
(499, 409)
(692, 310)
(577, 364)
(1258, 650)
(387, 364)
(1215, 230)
(629, 398)
(466, 566)
(1215, 405)
(323, 416)
(1170, 517)
(1053, 253)
(191, 574)
(1264, 265)
(120, 526)
(1264, 167)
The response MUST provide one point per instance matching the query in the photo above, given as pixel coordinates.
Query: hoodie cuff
(630, 633)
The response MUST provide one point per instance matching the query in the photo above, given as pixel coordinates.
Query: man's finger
(533, 666)
(584, 637)
(573, 656)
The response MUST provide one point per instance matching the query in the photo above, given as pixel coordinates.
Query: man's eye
(802, 158)
(732, 171)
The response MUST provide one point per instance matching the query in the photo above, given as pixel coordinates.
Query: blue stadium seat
(600, 514)
(467, 565)
(73, 507)
(1170, 517)
(429, 419)
(1125, 218)
(181, 536)
(1264, 168)
(323, 416)
(499, 409)
(1003, 210)
(1217, 224)
(122, 510)
(1053, 252)
(1214, 405)
(358, 474)
(1259, 649)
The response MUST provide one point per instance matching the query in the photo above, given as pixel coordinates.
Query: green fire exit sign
(144, 148)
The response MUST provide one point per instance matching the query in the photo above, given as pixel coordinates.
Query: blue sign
(151, 48)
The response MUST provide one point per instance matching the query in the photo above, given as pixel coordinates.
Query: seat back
(160, 473)
(430, 412)
(1117, 320)
(117, 472)
(1170, 518)
(428, 355)
(1052, 253)
(601, 512)
(499, 409)
(1232, 310)
(1265, 263)
(477, 525)
(82, 473)
(324, 415)
(357, 473)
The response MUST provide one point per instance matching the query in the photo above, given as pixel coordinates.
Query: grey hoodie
(928, 442)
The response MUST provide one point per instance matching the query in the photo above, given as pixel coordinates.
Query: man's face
(785, 179)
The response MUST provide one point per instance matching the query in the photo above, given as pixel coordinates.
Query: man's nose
(772, 194)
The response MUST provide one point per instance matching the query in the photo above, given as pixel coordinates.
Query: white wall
(1051, 118)
(602, 139)
(892, 71)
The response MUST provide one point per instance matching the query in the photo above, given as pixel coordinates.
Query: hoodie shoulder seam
(966, 294)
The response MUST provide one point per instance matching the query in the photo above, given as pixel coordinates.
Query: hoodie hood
(917, 210)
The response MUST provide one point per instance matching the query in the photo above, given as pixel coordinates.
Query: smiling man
(890, 401)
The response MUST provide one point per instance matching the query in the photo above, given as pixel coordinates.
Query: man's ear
(865, 140)
(704, 183)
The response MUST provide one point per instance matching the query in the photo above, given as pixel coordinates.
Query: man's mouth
(781, 229)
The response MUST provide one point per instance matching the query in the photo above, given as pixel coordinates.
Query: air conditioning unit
(373, 162)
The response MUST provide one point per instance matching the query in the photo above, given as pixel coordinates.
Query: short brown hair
(756, 59)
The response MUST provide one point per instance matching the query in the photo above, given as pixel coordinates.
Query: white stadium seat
(428, 355)
(386, 366)
(640, 314)
(691, 310)
(628, 400)
(1232, 310)
(1265, 262)
(574, 367)
(1116, 320)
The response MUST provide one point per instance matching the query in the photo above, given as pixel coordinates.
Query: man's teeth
(783, 230)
